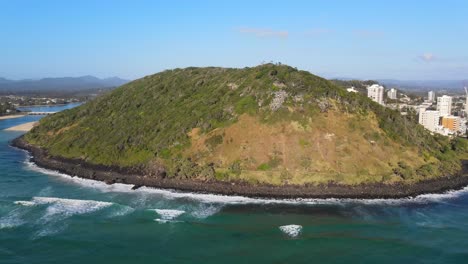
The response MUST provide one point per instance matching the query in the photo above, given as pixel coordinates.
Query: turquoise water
(46, 217)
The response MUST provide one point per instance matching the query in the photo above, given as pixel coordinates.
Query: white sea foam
(225, 199)
(169, 214)
(10, 222)
(65, 207)
(25, 203)
(13, 219)
(204, 211)
(59, 209)
(162, 221)
(102, 186)
(69, 207)
(291, 230)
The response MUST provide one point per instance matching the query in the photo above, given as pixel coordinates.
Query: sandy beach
(10, 116)
(23, 127)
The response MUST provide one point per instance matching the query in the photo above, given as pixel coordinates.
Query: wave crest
(291, 230)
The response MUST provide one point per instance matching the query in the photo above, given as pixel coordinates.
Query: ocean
(48, 217)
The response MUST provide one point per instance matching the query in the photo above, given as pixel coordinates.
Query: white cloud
(428, 57)
(262, 33)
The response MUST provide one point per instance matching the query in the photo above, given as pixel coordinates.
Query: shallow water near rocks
(47, 217)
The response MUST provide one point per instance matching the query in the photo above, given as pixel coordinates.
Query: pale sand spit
(23, 127)
(10, 116)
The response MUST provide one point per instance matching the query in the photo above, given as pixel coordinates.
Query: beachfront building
(375, 92)
(444, 105)
(429, 119)
(392, 94)
(431, 96)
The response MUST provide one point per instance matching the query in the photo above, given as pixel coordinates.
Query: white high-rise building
(429, 119)
(392, 94)
(375, 92)
(444, 105)
(431, 96)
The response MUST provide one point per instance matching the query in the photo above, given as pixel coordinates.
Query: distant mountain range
(62, 84)
(421, 85)
(412, 85)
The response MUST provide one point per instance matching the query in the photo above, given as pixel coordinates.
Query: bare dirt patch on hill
(331, 147)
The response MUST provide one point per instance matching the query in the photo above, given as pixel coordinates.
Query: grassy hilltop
(267, 124)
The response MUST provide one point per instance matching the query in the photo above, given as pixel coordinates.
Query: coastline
(112, 175)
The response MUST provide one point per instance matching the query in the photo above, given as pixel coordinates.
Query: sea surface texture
(48, 217)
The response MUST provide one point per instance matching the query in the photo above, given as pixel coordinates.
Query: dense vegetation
(151, 121)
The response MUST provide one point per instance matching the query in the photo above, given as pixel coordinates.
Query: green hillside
(267, 124)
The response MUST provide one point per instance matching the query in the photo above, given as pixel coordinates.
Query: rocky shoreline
(364, 191)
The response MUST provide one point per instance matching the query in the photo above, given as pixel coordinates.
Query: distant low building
(352, 90)
(375, 92)
(405, 99)
(392, 94)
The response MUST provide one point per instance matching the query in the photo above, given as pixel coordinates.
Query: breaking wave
(167, 215)
(65, 207)
(291, 230)
(59, 209)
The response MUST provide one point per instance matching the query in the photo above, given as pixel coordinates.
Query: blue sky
(130, 39)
